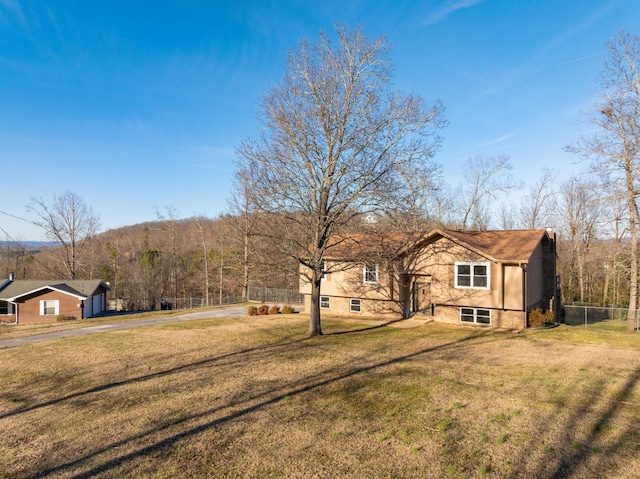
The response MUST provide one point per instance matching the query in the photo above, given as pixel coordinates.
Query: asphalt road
(226, 312)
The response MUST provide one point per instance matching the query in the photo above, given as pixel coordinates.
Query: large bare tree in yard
(335, 142)
(69, 222)
(615, 147)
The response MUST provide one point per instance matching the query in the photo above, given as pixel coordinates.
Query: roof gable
(500, 246)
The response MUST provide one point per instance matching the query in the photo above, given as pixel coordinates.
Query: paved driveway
(226, 312)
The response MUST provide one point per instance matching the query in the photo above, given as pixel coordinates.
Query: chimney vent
(11, 276)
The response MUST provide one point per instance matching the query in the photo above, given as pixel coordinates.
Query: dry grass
(253, 398)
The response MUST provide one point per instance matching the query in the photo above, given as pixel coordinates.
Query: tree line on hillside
(340, 152)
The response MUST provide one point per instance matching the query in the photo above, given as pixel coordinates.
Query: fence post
(585, 317)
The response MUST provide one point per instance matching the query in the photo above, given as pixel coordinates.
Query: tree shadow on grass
(248, 405)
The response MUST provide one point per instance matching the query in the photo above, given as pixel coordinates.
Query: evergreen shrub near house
(253, 310)
(539, 318)
(275, 309)
(263, 310)
(64, 317)
(287, 309)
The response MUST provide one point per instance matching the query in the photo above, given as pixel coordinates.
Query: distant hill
(35, 245)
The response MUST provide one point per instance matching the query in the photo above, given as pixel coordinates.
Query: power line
(19, 218)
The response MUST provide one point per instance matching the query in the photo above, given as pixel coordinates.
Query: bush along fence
(584, 315)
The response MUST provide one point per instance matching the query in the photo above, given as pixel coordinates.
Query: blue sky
(138, 105)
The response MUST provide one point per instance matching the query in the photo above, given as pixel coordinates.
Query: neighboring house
(41, 301)
(491, 278)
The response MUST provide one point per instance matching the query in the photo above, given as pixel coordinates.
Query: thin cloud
(10, 10)
(449, 7)
(495, 141)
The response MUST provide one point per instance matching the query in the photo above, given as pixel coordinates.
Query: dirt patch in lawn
(253, 397)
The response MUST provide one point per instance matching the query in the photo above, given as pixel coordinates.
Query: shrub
(64, 317)
(263, 309)
(539, 318)
(274, 309)
(253, 310)
(287, 309)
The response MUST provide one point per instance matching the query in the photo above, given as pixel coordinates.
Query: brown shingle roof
(499, 245)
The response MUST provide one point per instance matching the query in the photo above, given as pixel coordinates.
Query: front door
(421, 295)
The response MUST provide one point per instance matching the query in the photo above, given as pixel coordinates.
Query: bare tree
(485, 178)
(579, 214)
(169, 221)
(242, 219)
(538, 204)
(205, 257)
(69, 222)
(615, 147)
(335, 142)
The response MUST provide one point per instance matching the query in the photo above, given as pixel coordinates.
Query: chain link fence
(274, 295)
(258, 294)
(584, 315)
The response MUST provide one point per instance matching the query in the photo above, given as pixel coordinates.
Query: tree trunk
(633, 280)
(314, 313)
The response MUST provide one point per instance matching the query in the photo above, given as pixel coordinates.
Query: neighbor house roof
(81, 288)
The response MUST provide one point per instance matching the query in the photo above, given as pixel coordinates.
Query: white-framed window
(324, 302)
(475, 315)
(472, 275)
(49, 306)
(5, 308)
(370, 273)
(354, 305)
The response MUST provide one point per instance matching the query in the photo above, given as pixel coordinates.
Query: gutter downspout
(524, 292)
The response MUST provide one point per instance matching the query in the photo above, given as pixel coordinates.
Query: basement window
(324, 302)
(475, 316)
(354, 305)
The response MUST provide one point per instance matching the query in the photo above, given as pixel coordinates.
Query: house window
(49, 307)
(324, 271)
(472, 275)
(475, 316)
(4, 307)
(354, 305)
(370, 273)
(324, 302)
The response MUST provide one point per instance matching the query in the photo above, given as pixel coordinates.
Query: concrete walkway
(227, 312)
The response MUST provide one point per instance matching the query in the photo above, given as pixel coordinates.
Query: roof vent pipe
(12, 276)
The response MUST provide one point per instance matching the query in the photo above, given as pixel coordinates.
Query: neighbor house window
(472, 275)
(324, 302)
(4, 307)
(475, 316)
(49, 307)
(370, 273)
(354, 305)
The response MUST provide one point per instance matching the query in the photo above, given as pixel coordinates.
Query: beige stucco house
(42, 301)
(489, 278)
